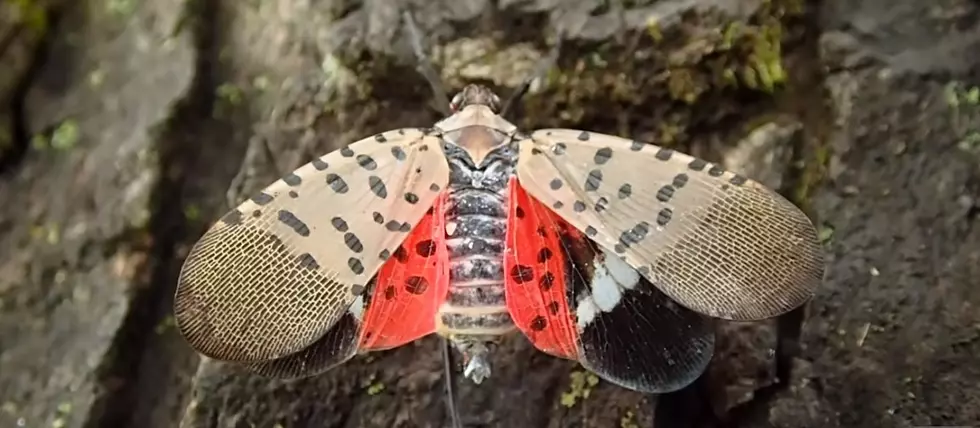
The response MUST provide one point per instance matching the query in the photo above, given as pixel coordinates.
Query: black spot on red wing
(416, 284)
(545, 254)
(553, 308)
(401, 255)
(546, 281)
(390, 292)
(539, 323)
(542, 232)
(521, 273)
(519, 212)
(425, 248)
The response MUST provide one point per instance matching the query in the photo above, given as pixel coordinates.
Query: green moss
(814, 169)
(628, 420)
(31, 13)
(580, 387)
(64, 137)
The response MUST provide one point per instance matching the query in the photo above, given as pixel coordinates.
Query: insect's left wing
(712, 240)
(283, 276)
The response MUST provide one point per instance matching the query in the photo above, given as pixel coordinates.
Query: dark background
(122, 123)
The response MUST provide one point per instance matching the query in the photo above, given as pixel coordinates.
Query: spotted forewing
(275, 274)
(714, 241)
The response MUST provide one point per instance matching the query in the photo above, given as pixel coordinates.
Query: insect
(599, 249)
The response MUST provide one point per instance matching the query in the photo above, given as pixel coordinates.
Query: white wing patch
(611, 279)
(274, 274)
(712, 240)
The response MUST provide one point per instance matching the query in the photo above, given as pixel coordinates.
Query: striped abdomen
(476, 225)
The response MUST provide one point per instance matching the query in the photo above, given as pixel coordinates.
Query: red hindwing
(409, 287)
(534, 268)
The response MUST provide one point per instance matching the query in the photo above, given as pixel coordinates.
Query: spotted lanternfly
(610, 252)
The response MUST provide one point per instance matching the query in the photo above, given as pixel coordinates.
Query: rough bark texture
(122, 124)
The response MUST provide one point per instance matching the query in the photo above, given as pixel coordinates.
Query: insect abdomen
(476, 225)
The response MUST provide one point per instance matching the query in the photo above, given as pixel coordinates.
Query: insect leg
(449, 371)
(543, 66)
(424, 65)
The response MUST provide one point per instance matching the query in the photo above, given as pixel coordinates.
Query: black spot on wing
(233, 218)
(319, 164)
(262, 198)
(290, 219)
(377, 186)
(593, 180)
(337, 183)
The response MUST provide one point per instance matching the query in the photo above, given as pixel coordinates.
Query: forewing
(714, 241)
(575, 300)
(276, 273)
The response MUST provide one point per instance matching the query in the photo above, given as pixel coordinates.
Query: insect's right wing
(281, 271)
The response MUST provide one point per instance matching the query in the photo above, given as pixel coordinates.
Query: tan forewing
(273, 275)
(712, 240)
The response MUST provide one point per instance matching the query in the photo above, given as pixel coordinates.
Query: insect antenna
(424, 65)
(449, 373)
(540, 69)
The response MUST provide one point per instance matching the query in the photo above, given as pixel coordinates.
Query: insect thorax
(475, 314)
